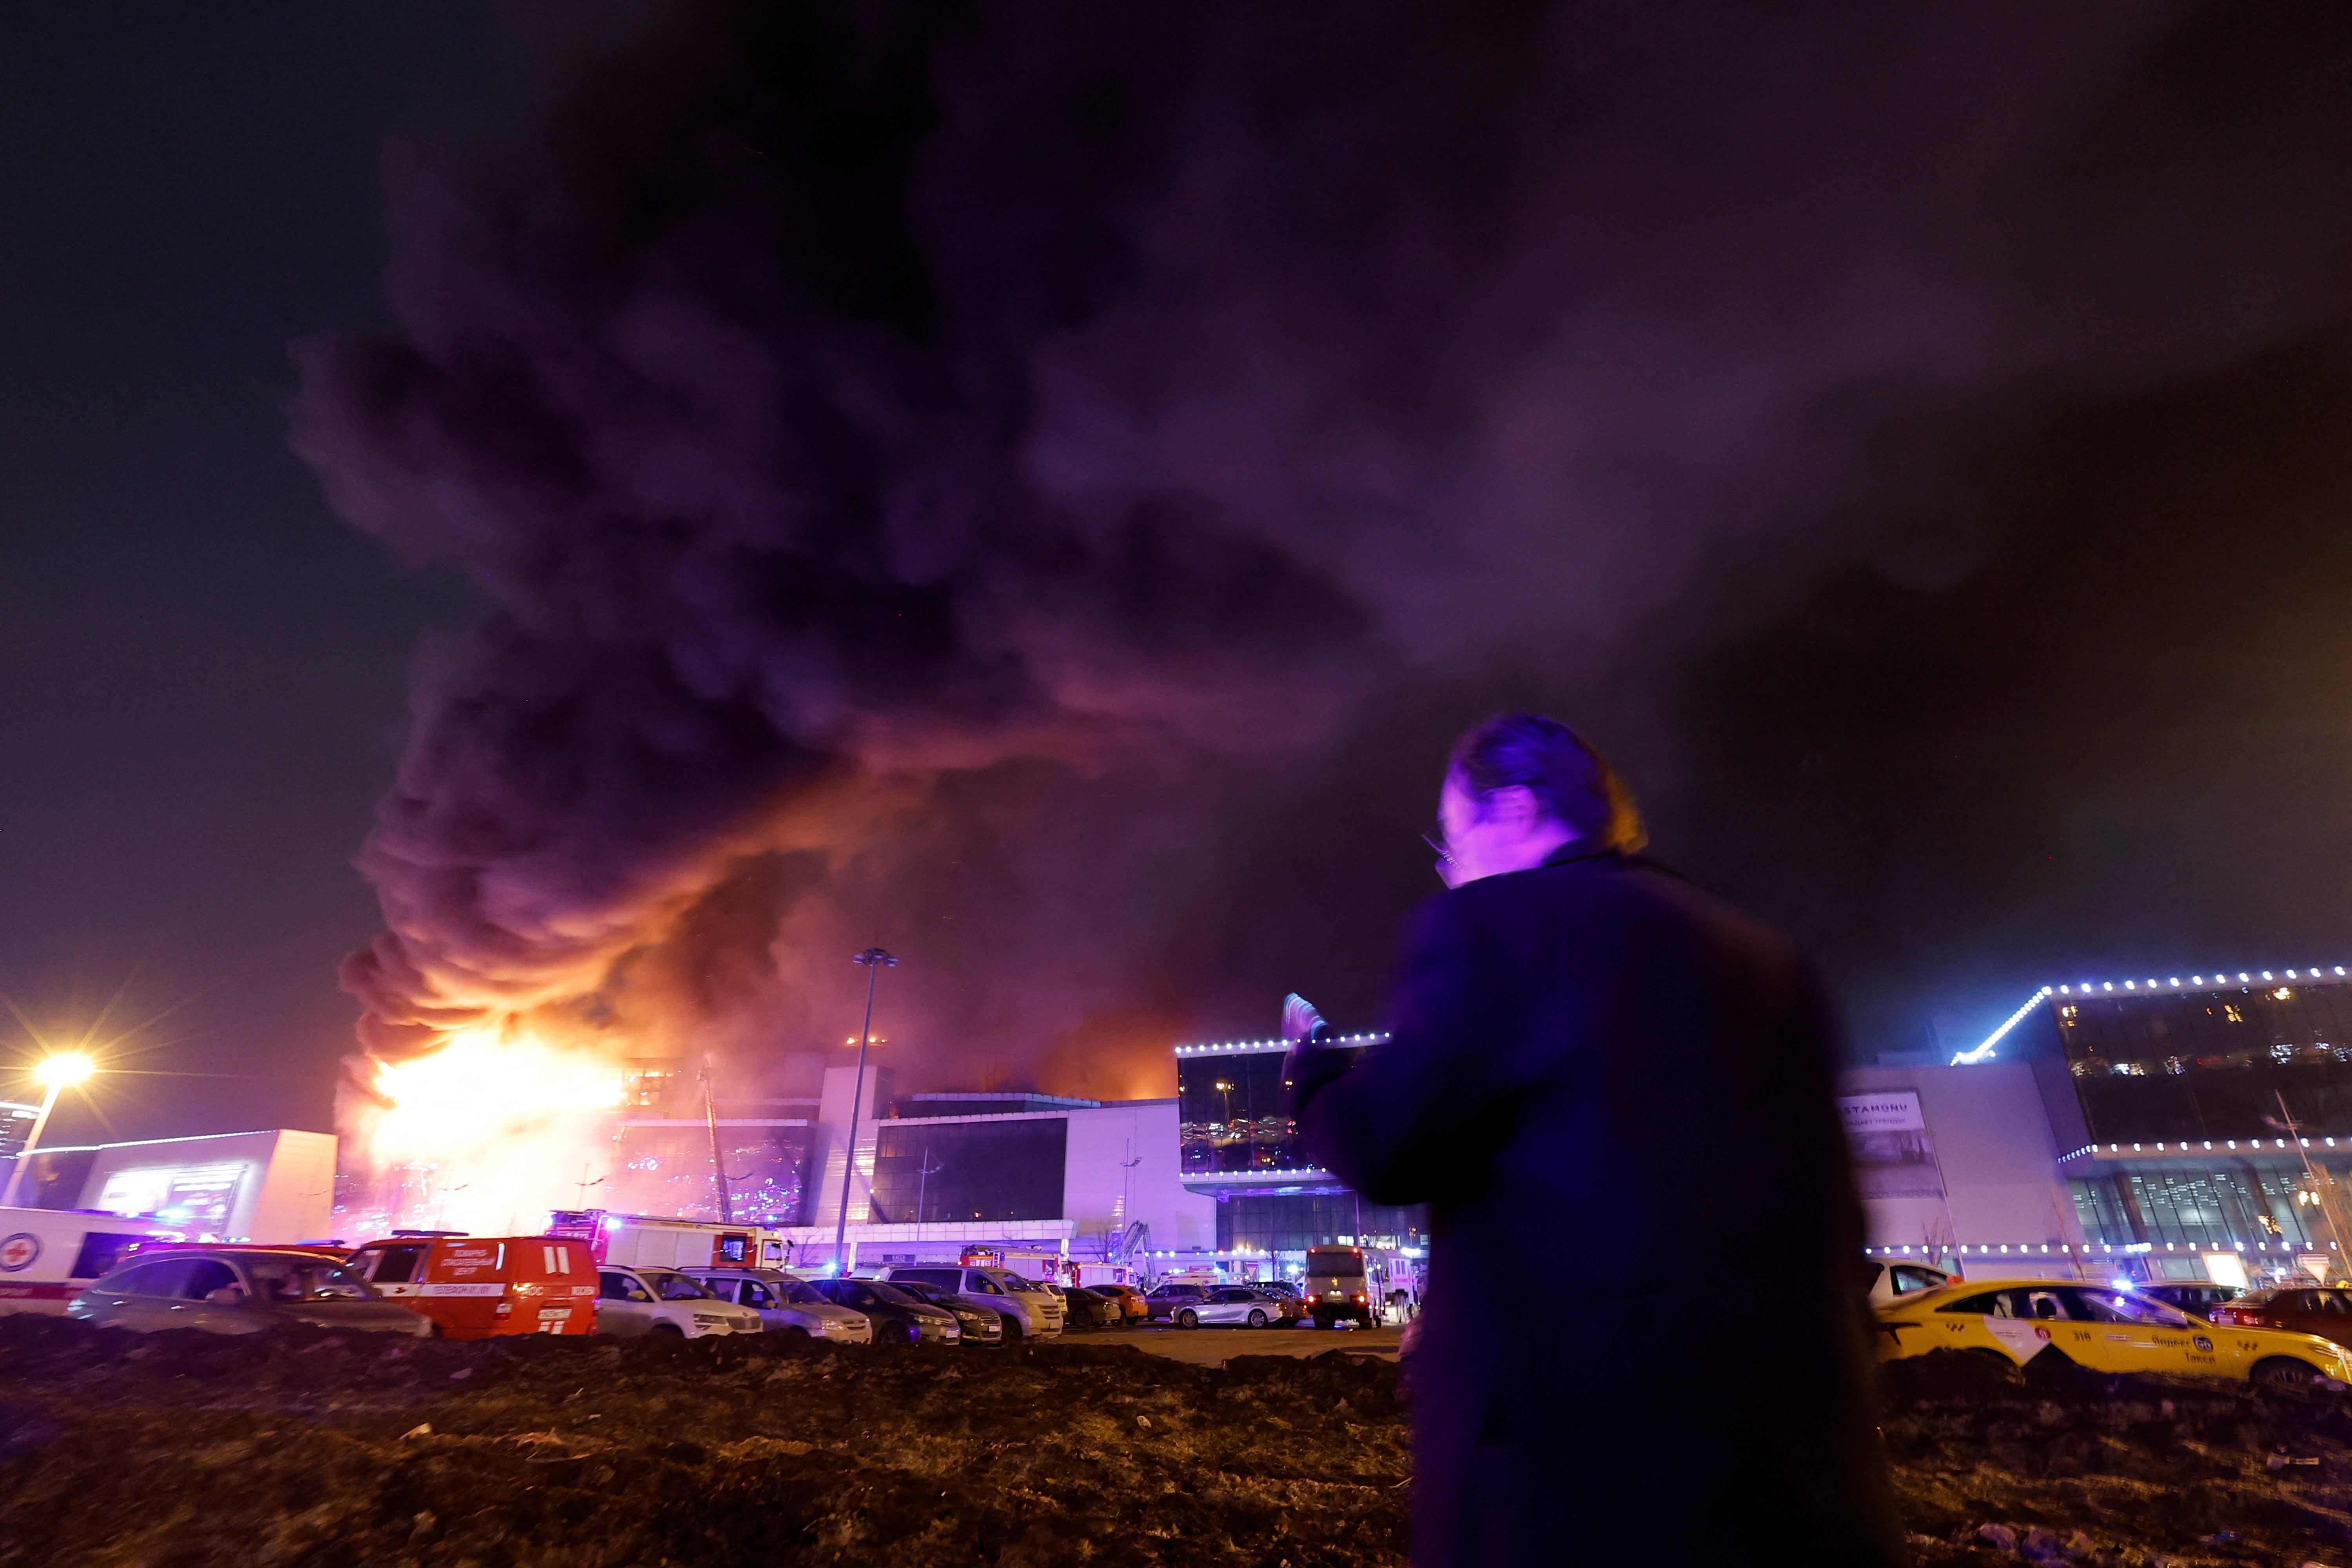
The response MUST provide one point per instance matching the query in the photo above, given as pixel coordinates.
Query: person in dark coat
(1644, 1338)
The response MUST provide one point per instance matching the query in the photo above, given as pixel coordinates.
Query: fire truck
(659, 1241)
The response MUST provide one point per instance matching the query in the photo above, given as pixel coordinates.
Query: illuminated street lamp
(54, 1074)
(875, 961)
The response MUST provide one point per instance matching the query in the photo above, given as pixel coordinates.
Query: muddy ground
(187, 1449)
(315, 1448)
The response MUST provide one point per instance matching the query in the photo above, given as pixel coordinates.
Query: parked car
(1029, 1308)
(1888, 1281)
(1279, 1288)
(238, 1290)
(1164, 1300)
(982, 1325)
(476, 1286)
(2100, 1327)
(1132, 1307)
(2303, 1310)
(1085, 1308)
(786, 1305)
(2197, 1298)
(1241, 1305)
(633, 1301)
(899, 1318)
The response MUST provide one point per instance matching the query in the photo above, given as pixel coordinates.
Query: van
(48, 1256)
(1029, 1310)
(480, 1287)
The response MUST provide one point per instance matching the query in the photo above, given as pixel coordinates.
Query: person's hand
(1301, 1024)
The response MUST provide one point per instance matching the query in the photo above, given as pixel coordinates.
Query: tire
(906, 1334)
(1012, 1331)
(1257, 1319)
(672, 1329)
(2286, 1371)
(1322, 1320)
(1188, 1319)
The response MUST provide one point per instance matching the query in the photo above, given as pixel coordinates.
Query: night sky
(1040, 495)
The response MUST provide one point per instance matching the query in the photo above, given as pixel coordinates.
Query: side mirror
(226, 1296)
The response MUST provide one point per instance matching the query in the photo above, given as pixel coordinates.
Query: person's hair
(1570, 780)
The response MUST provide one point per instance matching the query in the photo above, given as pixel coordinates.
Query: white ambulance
(48, 1256)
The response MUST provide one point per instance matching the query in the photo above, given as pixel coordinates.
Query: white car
(1892, 1280)
(1231, 1304)
(786, 1305)
(633, 1301)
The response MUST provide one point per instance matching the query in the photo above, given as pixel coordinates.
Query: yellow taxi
(2104, 1327)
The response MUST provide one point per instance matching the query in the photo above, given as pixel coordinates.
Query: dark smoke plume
(929, 464)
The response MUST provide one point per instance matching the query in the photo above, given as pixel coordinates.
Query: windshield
(1026, 1287)
(286, 1280)
(674, 1287)
(890, 1293)
(799, 1294)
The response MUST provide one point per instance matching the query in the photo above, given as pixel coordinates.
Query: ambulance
(480, 1287)
(48, 1256)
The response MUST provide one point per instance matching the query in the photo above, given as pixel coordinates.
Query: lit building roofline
(1247, 1047)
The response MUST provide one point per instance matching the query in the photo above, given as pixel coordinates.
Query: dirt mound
(2058, 1464)
(309, 1446)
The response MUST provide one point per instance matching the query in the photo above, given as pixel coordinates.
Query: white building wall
(1102, 1195)
(1999, 1159)
(285, 1181)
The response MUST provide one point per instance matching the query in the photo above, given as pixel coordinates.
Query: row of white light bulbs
(2174, 984)
(1236, 1048)
(1985, 1251)
(2229, 1142)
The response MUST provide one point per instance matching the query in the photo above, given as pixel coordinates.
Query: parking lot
(1212, 1346)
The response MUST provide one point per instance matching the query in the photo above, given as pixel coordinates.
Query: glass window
(1908, 1278)
(929, 1171)
(299, 1279)
(1991, 1304)
(943, 1277)
(799, 1294)
(161, 1278)
(755, 1294)
(396, 1265)
(99, 1251)
(613, 1286)
(2113, 1307)
(676, 1287)
(2047, 1305)
(210, 1273)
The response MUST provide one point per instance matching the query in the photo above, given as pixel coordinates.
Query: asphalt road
(1208, 1346)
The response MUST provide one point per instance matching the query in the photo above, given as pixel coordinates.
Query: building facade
(2189, 1122)
(272, 1186)
(1241, 1150)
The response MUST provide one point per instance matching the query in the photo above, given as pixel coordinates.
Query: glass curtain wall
(927, 1173)
(2195, 1207)
(1234, 1114)
(1293, 1222)
(666, 1171)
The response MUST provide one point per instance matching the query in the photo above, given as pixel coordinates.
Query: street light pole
(875, 960)
(55, 1075)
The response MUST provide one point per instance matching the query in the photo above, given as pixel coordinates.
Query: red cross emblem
(18, 1251)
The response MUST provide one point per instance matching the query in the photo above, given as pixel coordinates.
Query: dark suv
(238, 1290)
(1165, 1299)
(899, 1319)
